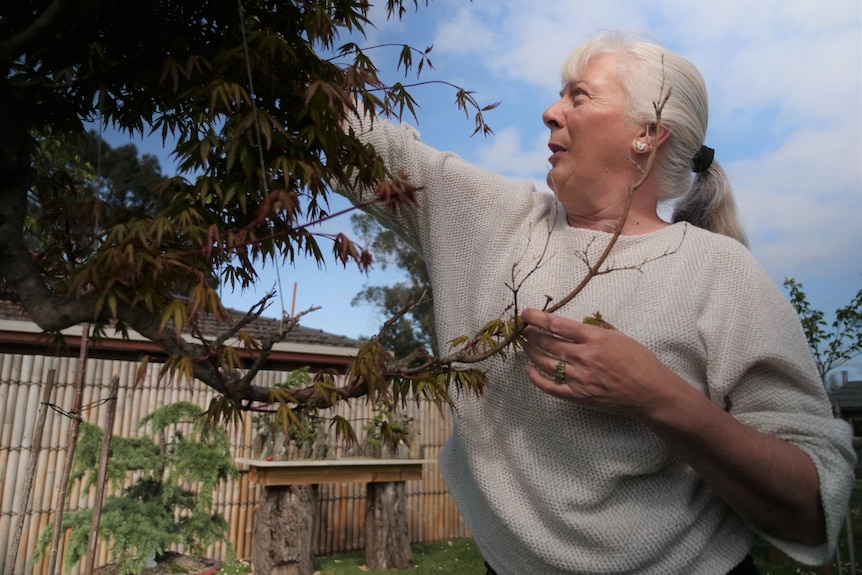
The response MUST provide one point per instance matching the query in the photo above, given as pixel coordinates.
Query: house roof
(301, 346)
(212, 325)
(848, 397)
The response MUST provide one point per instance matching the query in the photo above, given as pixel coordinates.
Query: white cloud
(464, 33)
(802, 79)
(801, 203)
(503, 154)
(521, 43)
(753, 54)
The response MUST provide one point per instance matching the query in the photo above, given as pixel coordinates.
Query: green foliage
(76, 544)
(170, 497)
(832, 345)
(136, 527)
(286, 425)
(387, 429)
(128, 454)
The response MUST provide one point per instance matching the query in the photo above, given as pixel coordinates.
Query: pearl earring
(640, 146)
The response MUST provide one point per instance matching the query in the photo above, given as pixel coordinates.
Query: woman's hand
(603, 368)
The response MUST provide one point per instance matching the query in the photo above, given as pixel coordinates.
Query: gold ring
(560, 372)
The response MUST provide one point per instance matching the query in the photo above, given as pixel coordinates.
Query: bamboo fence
(432, 514)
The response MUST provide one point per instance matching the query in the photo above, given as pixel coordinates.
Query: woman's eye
(572, 93)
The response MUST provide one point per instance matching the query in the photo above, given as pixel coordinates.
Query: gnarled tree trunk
(285, 522)
(387, 543)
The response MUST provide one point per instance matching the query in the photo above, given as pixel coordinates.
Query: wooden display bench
(286, 519)
(314, 471)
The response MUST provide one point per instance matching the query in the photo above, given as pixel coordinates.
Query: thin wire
(259, 145)
(73, 414)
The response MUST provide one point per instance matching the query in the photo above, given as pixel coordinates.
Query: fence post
(101, 480)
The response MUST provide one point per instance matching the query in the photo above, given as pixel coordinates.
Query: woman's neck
(601, 211)
(635, 224)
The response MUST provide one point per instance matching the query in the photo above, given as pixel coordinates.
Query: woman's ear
(651, 138)
(647, 139)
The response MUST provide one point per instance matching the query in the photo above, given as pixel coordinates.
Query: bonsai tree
(386, 431)
(282, 434)
(170, 498)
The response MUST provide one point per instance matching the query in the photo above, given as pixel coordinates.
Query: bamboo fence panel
(431, 512)
(23, 501)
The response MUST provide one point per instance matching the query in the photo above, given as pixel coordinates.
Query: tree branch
(18, 43)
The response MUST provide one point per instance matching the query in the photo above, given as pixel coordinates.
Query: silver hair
(647, 68)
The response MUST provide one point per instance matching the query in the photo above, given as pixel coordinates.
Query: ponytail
(709, 205)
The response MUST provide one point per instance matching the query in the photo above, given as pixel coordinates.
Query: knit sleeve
(400, 146)
(762, 370)
(454, 200)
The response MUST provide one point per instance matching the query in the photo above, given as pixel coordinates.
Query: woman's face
(592, 137)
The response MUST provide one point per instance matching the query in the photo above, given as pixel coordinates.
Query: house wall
(431, 512)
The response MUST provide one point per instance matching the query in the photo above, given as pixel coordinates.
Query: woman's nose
(551, 116)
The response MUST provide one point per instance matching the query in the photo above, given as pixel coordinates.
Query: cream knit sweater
(548, 487)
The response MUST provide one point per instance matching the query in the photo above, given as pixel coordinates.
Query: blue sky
(785, 83)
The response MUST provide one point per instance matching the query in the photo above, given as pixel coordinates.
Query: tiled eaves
(302, 346)
(212, 326)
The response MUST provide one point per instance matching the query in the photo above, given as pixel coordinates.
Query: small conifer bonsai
(168, 493)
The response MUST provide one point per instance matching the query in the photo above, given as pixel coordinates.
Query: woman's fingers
(550, 385)
(561, 327)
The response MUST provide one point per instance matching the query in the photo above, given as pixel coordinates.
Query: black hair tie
(702, 159)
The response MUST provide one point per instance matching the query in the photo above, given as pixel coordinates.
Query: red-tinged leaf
(141, 372)
(343, 431)
(365, 261)
(393, 195)
(345, 250)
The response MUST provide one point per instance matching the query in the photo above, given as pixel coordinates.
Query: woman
(663, 445)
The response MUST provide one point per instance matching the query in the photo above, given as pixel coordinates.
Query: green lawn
(460, 557)
(456, 557)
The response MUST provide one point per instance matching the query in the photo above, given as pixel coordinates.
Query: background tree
(414, 329)
(122, 178)
(117, 184)
(835, 345)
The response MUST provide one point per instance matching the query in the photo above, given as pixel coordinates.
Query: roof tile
(211, 325)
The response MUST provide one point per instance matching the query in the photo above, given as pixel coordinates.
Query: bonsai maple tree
(255, 94)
